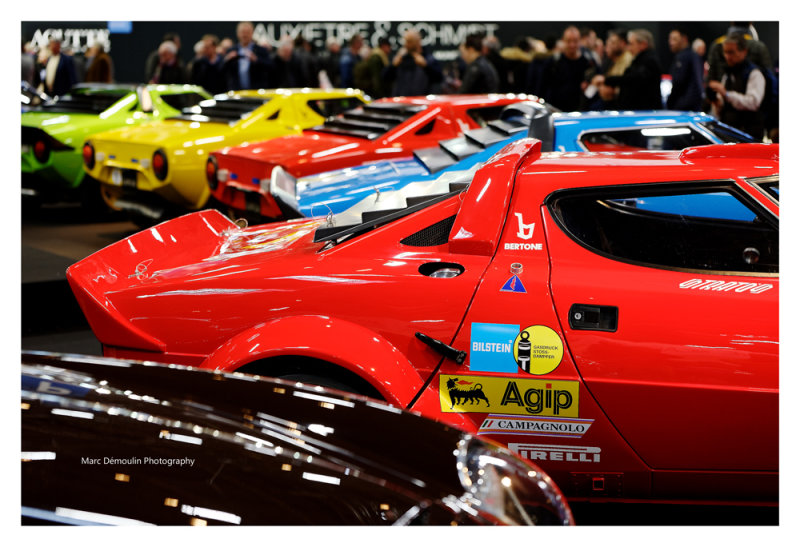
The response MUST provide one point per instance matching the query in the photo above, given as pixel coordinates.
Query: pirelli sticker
(516, 396)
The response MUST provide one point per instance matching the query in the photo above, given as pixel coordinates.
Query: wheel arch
(323, 341)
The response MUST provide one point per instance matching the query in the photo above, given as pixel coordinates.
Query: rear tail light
(41, 151)
(88, 155)
(211, 173)
(160, 166)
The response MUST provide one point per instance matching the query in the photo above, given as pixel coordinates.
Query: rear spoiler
(731, 150)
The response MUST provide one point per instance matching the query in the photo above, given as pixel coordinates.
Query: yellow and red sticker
(518, 396)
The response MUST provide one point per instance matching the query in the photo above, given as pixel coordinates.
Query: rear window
(179, 101)
(644, 138)
(85, 102)
(677, 226)
(726, 133)
(221, 109)
(770, 187)
(370, 121)
(333, 107)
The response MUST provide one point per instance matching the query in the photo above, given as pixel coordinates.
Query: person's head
(224, 45)
(588, 37)
(491, 45)
(471, 48)
(174, 38)
(285, 47)
(384, 45)
(55, 46)
(412, 41)
(571, 42)
(699, 47)
(639, 40)
(210, 43)
(167, 52)
(734, 48)
(333, 44)
(678, 40)
(94, 50)
(356, 43)
(244, 32)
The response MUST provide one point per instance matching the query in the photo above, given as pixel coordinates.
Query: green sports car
(53, 133)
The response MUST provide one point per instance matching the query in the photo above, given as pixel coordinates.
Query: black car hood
(105, 437)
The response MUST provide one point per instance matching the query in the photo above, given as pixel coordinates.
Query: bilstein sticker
(521, 397)
(491, 346)
(538, 350)
(553, 453)
(499, 424)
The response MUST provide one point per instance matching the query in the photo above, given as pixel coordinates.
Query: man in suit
(59, 71)
(247, 65)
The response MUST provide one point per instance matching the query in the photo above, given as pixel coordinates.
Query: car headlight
(501, 485)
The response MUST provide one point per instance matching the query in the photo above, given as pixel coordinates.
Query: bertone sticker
(500, 395)
(553, 453)
(500, 424)
(725, 286)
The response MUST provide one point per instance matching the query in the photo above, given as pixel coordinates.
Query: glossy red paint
(678, 402)
(245, 166)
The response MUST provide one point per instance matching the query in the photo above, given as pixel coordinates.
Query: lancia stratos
(612, 317)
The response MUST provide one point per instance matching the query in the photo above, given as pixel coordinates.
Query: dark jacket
(687, 81)
(65, 77)
(100, 69)
(640, 85)
(410, 79)
(258, 70)
(749, 121)
(208, 75)
(480, 77)
(561, 78)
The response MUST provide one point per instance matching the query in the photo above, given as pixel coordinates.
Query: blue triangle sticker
(513, 285)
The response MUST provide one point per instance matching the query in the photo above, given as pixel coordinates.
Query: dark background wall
(130, 48)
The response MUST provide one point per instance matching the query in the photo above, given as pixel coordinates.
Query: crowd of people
(733, 77)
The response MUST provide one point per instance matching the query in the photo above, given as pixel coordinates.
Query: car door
(668, 297)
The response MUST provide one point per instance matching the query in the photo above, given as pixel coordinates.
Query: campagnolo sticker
(513, 396)
(524, 232)
(500, 424)
(554, 453)
(538, 350)
(725, 286)
(514, 283)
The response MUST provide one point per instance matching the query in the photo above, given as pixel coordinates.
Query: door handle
(591, 317)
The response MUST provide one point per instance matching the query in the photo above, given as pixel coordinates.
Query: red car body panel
(315, 152)
(678, 402)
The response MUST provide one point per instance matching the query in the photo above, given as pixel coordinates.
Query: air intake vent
(435, 234)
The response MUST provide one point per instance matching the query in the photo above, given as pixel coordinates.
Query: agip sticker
(538, 350)
(499, 395)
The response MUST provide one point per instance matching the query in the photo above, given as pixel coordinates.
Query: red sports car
(611, 316)
(244, 177)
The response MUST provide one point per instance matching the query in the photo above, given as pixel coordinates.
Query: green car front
(53, 133)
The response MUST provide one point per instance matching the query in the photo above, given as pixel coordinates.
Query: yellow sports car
(158, 169)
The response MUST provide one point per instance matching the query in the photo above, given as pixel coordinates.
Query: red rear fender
(339, 342)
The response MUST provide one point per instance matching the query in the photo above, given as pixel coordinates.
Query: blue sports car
(432, 169)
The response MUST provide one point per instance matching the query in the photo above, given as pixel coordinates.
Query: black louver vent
(435, 234)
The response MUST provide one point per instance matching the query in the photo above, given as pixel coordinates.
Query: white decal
(499, 424)
(525, 230)
(523, 246)
(725, 286)
(552, 453)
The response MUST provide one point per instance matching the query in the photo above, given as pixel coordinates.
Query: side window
(333, 107)
(770, 187)
(672, 226)
(646, 138)
(179, 101)
(484, 115)
(427, 128)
